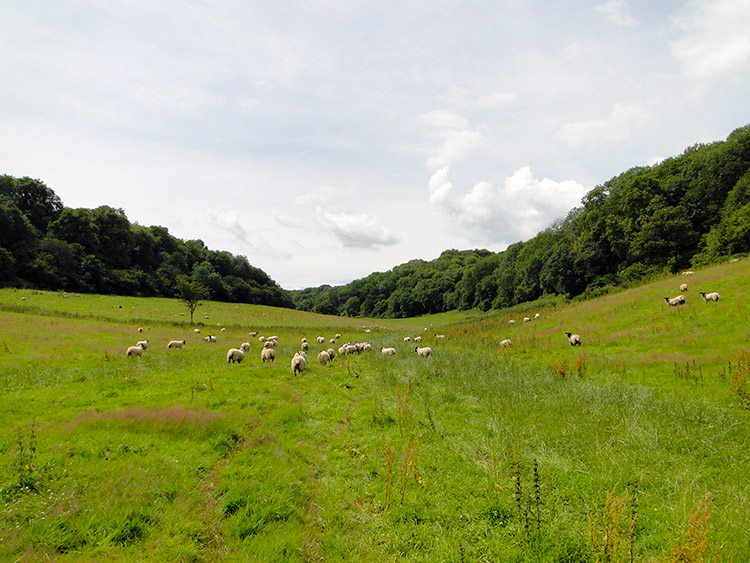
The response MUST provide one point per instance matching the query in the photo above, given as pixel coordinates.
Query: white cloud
(715, 37)
(356, 230)
(228, 221)
(618, 125)
(517, 210)
(440, 186)
(616, 13)
(457, 139)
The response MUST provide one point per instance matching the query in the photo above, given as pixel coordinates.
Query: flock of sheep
(299, 360)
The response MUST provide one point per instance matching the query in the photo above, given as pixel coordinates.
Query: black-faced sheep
(143, 343)
(574, 339)
(299, 363)
(235, 355)
(210, 338)
(388, 351)
(506, 343)
(323, 357)
(684, 287)
(176, 344)
(268, 354)
(245, 346)
(134, 351)
(331, 353)
(710, 296)
(424, 352)
(675, 301)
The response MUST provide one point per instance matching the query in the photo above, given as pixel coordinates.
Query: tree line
(45, 245)
(687, 211)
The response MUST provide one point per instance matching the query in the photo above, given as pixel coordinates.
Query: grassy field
(633, 447)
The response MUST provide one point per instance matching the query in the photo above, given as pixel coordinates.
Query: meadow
(632, 447)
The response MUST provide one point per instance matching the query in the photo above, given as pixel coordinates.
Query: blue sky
(327, 140)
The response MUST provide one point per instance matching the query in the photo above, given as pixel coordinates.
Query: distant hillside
(45, 245)
(689, 210)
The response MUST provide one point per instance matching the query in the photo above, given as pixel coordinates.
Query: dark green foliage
(689, 210)
(48, 246)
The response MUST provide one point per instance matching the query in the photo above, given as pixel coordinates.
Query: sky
(326, 140)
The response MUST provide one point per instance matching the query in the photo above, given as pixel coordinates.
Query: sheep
(143, 343)
(176, 344)
(321, 339)
(709, 296)
(734, 260)
(537, 316)
(235, 355)
(526, 319)
(197, 330)
(424, 352)
(388, 351)
(304, 339)
(140, 329)
(331, 353)
(299, 363)
(223, 329)
(675, 301)
(210, 338)
(688, 273)
(268, 354)
(305, 346)
(574, 339)
(342, 350)
(439, 337)
(323, 357)
(332, 341)
(136, 350)
(337, 335)
(245, 346)
(512, 322)
(407, 338)
(253, 334)
(271, 344)
(418, 339)
(684, 287)
(506, 343)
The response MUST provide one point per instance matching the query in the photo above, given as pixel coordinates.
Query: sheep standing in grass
(268, 354)
(299, 363)
(388, 351)
(323, 357)
(506, 343)
(331, 353)
(418, 339)
(136, 350)
(235, 355)
(675, 301)
(439, 337)
(245, 346)
(574, 339)
(305, 346)
(683, 287)
(424, 352)
(142, 343)
(210, 338)
(710, 296)
(176, 344)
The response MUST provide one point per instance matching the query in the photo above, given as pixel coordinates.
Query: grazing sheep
(143, 343)
(245, 346)
(136, 350)
(418, 339)
(331, 353)
(684, 287)
(424, 352)
(675, 301)
(305, 346)
(140, 329)
(176, 344)
(253, 334)
(299, 363)
(197, 330)
(321, 339)
(506, 343)
(268, 354)
(210, 338)
(333, 341)
(388, 351)
(574, 339)
(734, 260)
(235, 355)
(688, 273)
(526, 319)
(272, 344)
(710, 296)
(261, 339)
(512, 322)
(537, 316)
(323, 357)
(337, 335)
(407, 338)
(223, 329)
(351, 348)
(439, 337)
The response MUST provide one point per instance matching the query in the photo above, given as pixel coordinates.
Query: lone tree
(191, 293)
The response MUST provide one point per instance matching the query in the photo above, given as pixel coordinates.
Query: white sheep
(439, 337)
(235, 355)
(526, 319)
(424, 352)
(210, 338)
(268, 354)
(136, 350)
(143, 343)
(418, 339)
(321, 339)
(710, 296)
(253, 334)
(675, 301)
(512, 322)
(684, 287)
(734, 260)
(506, 343)
(537, 316)
(388, 351)
(299, 363)
(272, 344)
(331, 353)
(407, 338)
(574, 339)
(688, 273)
(305, 346)
(140, 329)
(176, 344)
(337, 335)
(245, 346)
(323, 357)
(197, 330)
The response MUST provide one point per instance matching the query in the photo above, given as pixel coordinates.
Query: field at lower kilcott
(631, 447)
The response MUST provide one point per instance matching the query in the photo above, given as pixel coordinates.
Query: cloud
(714, 37)
(517, 210)
(616, 126)
(356, 230)
(615, 11)
(456, 138)
(228, 221)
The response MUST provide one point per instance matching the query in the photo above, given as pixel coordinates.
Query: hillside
(689, 210)
(528, 453)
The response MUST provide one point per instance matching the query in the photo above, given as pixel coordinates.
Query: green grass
(180, 456)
